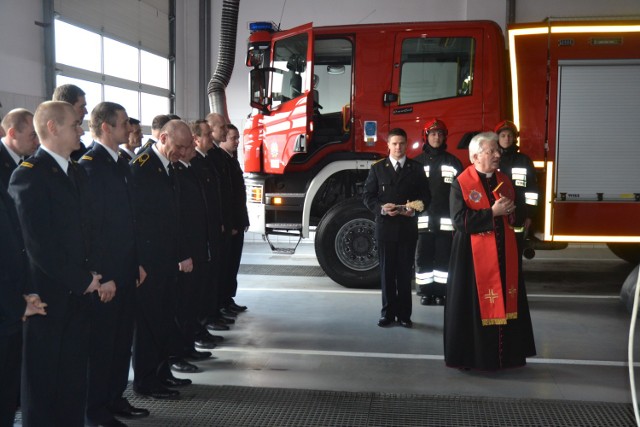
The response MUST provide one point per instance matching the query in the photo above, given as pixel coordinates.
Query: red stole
(493, 309)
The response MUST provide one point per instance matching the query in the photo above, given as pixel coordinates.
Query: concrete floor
(311, 333)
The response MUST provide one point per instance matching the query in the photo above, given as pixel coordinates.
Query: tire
(629, 252)
(346, 246)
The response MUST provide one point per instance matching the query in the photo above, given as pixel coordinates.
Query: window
(109, 70)
(436, 68)
(290, 59)
(332, 74)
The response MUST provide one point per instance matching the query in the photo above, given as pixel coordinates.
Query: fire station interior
(308, 351)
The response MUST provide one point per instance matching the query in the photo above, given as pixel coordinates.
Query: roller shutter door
(598, 133)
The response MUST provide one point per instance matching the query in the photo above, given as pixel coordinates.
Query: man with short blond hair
(20, 141)
(50, 193)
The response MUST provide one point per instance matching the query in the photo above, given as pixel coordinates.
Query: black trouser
(155, 327)
(396, 266)
(191, 289)
(112, 327)
(54, 366)
(231, 267)
(10, 361)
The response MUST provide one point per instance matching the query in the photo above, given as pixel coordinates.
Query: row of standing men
(100, 245)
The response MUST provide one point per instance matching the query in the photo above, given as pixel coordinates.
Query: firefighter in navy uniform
(392, 182)
(434, 223)
(519, 168)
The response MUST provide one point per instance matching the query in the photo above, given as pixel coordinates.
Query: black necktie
(71, 173)
(398, 168)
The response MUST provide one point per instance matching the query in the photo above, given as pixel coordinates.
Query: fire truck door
(438, 74)
(286, 126)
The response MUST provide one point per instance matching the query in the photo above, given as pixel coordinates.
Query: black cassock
(467, 343)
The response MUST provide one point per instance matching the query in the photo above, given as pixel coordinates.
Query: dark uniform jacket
(7, 166)
(519, 168)
(55, 219)
(193, 214)
(441, 168)
(219, 159)
(204, 170)
(13, 267)
(55, 216)
(384, 185)
(110, 190)
(77, 154)
(156, 200)
(124, 155)
(240, 219)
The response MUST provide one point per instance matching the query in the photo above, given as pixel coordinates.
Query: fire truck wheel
(346, 246)
(629, 252)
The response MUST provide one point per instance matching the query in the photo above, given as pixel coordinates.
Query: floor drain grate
(282, 270)
(271, 407)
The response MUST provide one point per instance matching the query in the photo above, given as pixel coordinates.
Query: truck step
(289, 226)
(283, 229)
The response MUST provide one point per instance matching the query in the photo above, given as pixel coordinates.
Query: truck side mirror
(258, 89)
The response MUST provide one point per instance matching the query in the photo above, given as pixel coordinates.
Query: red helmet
(507, 125)
(434, 124)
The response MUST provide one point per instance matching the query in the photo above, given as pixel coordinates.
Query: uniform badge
(85, 157)
(475, 196)
(142, 158)
(26, 165)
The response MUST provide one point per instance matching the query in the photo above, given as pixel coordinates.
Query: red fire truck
(324, 99)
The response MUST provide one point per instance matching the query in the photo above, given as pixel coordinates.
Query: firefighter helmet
(434, 124)
(507, 125)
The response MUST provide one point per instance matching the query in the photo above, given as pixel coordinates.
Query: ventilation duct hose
(226, 58)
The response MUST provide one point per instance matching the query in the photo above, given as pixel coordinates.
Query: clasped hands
(106, 291)
(392, 209)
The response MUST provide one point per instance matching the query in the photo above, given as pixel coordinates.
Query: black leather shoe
(122, 408)
(384, 321)
(158, 392)
(198, 355)
(228, 312)
(175, 382)
(425, 300)
(216, 326)
(216, 338)
(113, 422)
(225, 320)
(206, 335)
(406, 323)
(183, 366)
(206, 343)
(130, 411)
(236, 307)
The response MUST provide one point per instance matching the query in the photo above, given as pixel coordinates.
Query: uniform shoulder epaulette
(378, 161)
(141, 159)
(26, 165)
(85, 157)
